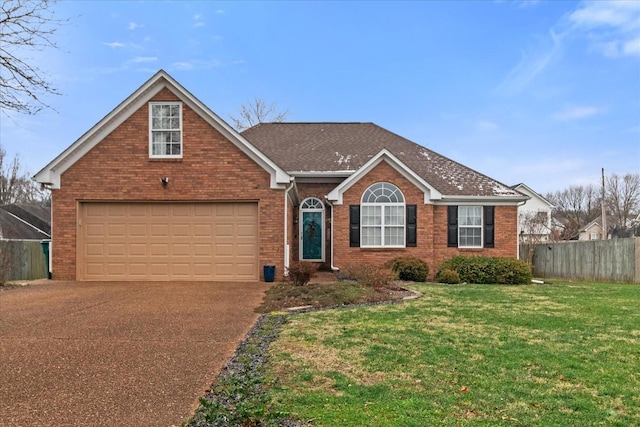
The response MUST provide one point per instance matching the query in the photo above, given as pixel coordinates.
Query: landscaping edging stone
(236, 397)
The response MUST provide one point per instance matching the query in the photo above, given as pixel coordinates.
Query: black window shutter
(412, 223)
(354, 226)
(489, 226)
(452, 226)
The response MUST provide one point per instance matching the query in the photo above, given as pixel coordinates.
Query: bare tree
(623, 201)
(258, 111)
(25, 25)
(17, 187)
(534, 229)
(575, 207)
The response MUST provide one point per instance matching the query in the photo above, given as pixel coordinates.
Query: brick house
(163, 189)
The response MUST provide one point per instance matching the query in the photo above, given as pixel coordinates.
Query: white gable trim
(430, 193)
(50, 174)
(527, 191)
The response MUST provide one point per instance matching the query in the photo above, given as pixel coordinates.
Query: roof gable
(525, 189)
(50, 174)
(384, 155)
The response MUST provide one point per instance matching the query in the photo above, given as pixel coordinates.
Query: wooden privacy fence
(22, 260)
(615, 260)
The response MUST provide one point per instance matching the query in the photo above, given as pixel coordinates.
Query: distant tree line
(577, 206)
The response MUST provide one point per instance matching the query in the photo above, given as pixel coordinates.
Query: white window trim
(301, 226)
(481, 227)
(164, 156)
(382, 225)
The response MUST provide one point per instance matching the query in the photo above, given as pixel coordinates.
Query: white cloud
(133, 26)
(578, 112)
(183, 66)
(196, 65)
(612, 27)
(197, 20)
(531, 65)
(114, 45)
(143, 59)
(632, 47)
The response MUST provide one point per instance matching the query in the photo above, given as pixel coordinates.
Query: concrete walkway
(114, 353)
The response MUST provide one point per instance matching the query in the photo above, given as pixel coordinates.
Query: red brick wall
(431, 232)
(119, 168)
(505, 236)
(345, 255)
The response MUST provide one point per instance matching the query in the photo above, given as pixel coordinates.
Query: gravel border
(242, 376)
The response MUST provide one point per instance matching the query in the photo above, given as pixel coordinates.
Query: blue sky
(541, 92)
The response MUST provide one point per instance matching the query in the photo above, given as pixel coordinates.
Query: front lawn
(563, 354)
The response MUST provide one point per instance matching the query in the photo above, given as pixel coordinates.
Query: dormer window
(165, 130)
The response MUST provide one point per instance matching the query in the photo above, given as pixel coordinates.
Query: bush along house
(163, 189)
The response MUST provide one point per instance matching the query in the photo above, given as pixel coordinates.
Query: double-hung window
(470, 226)
(165, 129)
(383, 216)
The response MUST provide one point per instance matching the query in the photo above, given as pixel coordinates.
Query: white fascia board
(533, 193)
(430, 193)
(50, 174)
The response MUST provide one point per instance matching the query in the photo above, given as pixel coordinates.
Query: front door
(312, 230)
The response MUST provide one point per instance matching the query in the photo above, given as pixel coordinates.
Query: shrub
(448, 276)
(409, 268)
(484, 270)
(368, 275)
(301, 272)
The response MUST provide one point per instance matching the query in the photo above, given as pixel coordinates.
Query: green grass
(550, 355)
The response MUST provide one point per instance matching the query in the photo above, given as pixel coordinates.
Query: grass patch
(286, 295)
(553, 355)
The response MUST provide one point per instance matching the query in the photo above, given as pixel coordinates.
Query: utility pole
(604, 211)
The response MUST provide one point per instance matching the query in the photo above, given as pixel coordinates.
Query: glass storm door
(312, 230)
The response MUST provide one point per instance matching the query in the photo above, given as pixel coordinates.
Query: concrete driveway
(116, 353)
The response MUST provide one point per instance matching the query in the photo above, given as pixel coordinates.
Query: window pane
(371, 215)
(394, 215)
(394, 236)
(471, 237)
(371, 236)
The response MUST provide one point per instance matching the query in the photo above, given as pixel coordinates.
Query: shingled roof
(346, 147)
(25, 222)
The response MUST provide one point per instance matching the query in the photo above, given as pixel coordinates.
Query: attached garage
(168, 241)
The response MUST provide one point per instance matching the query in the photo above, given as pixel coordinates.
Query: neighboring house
(534, 216)
(163, 189)
(591, 231)
(25, 222)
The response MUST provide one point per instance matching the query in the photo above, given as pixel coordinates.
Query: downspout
(518, 228)
(333, 268)
(286, 227)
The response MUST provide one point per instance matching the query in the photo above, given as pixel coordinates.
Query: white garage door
(168, 241)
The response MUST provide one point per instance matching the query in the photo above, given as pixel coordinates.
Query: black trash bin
(269, 272)
(45, 249)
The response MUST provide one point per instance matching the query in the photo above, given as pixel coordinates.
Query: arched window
(382, 216)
